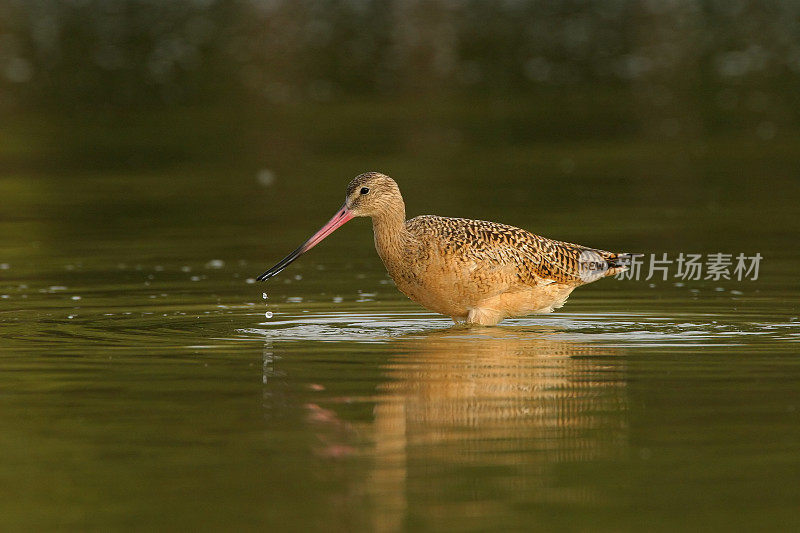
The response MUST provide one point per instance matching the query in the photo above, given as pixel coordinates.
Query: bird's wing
(532, 258)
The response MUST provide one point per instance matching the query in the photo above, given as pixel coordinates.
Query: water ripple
(608, 328)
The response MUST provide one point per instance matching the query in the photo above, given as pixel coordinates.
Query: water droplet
(264, 295)
(268, 314)
(215, 263)
(76, 297)
(265, 177)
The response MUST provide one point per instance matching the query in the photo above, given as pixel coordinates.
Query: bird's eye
(364, 190)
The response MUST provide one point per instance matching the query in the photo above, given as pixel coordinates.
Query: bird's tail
(617, 262)
(593, 264)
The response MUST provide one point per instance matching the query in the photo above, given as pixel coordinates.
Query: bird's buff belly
(437, 300)
(457, 300)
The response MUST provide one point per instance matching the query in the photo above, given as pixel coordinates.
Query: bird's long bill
(342, 216)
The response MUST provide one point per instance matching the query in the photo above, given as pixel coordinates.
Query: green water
(142, 386)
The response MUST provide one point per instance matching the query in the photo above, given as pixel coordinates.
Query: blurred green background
(531, 110)
(132, 85)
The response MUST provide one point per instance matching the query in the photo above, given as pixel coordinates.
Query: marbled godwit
(471, 270)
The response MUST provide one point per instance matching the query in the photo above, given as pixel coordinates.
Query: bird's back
(533, 259)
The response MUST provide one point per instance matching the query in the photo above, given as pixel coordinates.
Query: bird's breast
(440, 282)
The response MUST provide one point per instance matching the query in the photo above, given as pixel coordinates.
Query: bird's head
(371, 194)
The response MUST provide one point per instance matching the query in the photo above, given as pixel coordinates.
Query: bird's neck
(391, 235)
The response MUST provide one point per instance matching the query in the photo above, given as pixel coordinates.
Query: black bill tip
(282, 264)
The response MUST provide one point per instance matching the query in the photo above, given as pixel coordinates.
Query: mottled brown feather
(533, 256)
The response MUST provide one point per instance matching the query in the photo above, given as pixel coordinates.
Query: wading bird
(470, 270)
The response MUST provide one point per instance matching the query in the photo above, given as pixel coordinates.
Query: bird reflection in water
(520, 401)
(469, 420)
